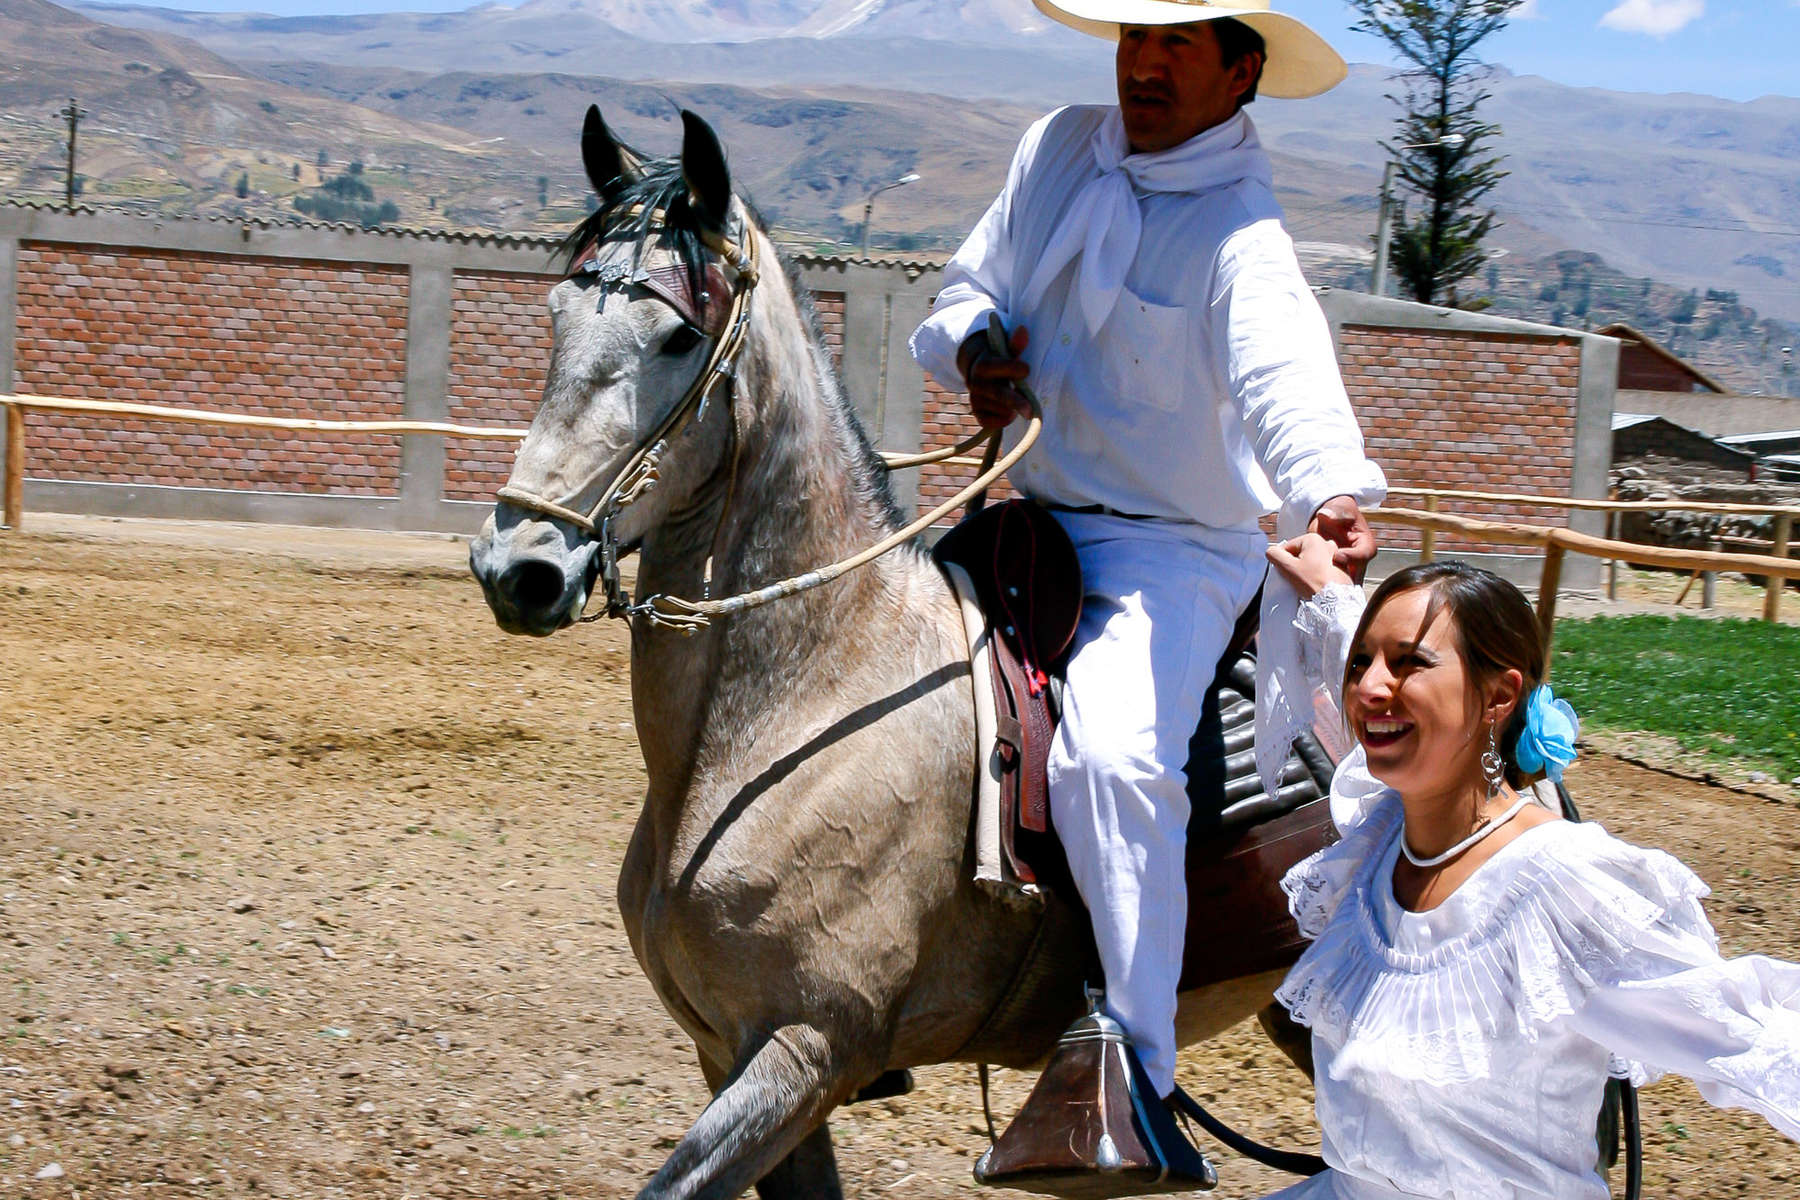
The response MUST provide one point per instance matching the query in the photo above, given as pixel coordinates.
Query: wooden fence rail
(1580, 505)
(12, 508)
(1555, 542)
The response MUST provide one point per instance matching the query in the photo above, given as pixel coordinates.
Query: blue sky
(1739, 49)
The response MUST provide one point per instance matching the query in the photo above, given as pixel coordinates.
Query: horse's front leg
(766, 1124)
(809, 1171)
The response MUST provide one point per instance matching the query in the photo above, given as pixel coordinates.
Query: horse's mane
(627, 212)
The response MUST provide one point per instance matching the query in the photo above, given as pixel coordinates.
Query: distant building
(1778, 453)
(1667, 450)
(1646, 365)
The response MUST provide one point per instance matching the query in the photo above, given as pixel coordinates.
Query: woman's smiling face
(1411, 701)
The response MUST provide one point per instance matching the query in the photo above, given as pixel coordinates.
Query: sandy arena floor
(306, 890)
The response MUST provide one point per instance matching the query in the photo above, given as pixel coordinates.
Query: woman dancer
(1481, 966)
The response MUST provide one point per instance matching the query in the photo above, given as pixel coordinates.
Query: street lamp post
(1384, 232)
(869, 207)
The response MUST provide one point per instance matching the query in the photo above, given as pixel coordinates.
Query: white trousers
(1161, 599)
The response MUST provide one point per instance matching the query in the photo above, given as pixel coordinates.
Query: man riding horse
(1189, 387)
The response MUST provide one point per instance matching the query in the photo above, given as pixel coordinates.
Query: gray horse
(799, 886)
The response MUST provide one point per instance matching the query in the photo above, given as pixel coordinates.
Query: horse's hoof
(889, 1083)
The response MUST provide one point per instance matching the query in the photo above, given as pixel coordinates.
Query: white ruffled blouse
(1463, 1052)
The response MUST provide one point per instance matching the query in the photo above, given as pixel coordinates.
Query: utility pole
(869, 207)
(1385, 230)
(74, 112)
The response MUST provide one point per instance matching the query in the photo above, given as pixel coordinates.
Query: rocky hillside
(249, 113)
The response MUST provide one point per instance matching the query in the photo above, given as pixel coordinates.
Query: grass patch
(1726, 689)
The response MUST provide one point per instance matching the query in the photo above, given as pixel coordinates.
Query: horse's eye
(684, 338)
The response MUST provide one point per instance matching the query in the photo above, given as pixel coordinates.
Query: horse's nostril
(534, 586)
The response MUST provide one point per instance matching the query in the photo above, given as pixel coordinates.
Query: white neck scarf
(1102, 225)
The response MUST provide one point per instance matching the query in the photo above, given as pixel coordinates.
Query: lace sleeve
(1730, 1025)
(1326, 622)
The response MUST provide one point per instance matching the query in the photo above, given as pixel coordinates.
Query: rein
(641, 472)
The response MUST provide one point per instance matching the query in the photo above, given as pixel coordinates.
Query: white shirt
(1461, 1053)
(1210, 393)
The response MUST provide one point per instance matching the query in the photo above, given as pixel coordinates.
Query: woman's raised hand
(1306, 562)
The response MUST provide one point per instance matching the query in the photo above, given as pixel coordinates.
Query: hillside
(171, 126)
(1662, 188)
(1691, 189)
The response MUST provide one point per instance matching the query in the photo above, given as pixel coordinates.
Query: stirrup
(1093, 1128)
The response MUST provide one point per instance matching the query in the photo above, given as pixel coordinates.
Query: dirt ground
(306, 890)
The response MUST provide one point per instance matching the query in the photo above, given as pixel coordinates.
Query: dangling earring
(1492, 768)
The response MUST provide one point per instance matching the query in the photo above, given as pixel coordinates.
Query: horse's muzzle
(535, 574)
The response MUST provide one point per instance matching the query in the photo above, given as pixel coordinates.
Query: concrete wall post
(904, 408)
(9, 331)
(1593, 431)
(428, 318)
(866, 315)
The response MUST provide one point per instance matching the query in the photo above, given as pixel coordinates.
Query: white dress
(1463, 1052)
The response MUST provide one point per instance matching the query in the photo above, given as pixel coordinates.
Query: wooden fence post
(1546, 605)
(1612, 535)
(1784, 523)
(1428, 535)
(13, 506)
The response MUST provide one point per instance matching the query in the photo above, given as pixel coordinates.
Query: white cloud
(1659, 18)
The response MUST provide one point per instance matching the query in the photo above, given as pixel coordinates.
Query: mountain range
(1691, 189)
(469, 119)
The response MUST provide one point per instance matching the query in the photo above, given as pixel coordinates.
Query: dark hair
(1496, 631)
(649, 203)
(1237, 39)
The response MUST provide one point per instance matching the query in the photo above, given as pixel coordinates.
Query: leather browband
(671, 283)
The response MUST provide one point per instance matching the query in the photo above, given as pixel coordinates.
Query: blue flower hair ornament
(1547, 743)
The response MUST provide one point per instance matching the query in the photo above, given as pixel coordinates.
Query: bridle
(641, 470)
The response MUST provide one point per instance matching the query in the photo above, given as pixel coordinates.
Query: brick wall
(1470, 411)
(947, 422)
(1475, 411)
(830, 309)
(244, 335)
(499, 351)
(314, 323)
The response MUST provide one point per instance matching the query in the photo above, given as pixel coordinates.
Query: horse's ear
(606, 159)
(703, 170)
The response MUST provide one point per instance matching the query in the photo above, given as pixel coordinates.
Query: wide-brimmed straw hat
(1299, 62)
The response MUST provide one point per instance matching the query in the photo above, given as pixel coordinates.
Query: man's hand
(991, 377)
(1341, 522)
(1306, 562)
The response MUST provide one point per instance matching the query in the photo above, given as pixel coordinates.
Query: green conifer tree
(1440, 146)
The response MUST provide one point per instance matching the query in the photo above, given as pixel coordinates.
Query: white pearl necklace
(1482, 831)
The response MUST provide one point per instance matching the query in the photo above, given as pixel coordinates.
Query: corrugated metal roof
(418, 233)
(1751, 439)
(1627, 420)
(913, 266)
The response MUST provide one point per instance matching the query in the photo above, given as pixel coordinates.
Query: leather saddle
(1240, 839)
(1087, 1131)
